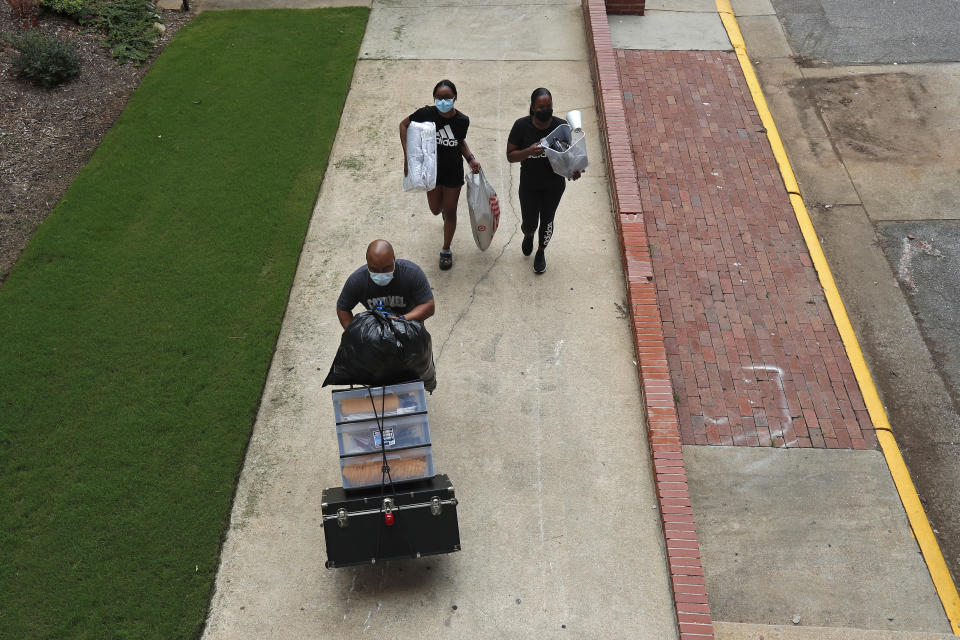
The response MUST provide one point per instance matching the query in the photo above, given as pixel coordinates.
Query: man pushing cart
(391, 504)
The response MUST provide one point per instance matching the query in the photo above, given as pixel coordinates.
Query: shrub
(76, 9)
(44, 59)
(129, 26)
(26, 10)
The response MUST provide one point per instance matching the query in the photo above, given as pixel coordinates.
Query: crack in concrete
(513, 234)
(473, 296)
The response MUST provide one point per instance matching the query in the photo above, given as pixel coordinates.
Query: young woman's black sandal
(446, 260)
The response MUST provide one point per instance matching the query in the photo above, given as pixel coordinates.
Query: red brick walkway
(754, 355)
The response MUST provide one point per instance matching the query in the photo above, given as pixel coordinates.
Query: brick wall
(691, 603)
(618, 153)
(625, 7)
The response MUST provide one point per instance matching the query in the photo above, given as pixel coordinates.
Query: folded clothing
(421, 157)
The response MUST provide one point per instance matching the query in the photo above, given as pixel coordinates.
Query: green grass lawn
(137, 328)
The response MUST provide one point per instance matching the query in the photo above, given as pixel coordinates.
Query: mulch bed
(46, 136)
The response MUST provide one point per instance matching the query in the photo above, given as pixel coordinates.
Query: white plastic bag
(421, 157)
(572, 157)
(484, 208)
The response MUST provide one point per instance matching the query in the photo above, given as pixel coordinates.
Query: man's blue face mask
(381, 279)
(444, 104)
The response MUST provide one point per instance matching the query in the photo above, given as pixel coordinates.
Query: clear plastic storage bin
(398, 432)
(566, 149)
(405, 464)
(353, 405)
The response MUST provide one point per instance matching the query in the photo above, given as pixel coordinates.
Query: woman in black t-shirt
(540, 188)
(451, 150)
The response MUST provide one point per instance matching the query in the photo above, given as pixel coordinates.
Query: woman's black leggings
(538, 206)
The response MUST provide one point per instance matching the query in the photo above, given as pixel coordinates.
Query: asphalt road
(925, 256)
(867, 31)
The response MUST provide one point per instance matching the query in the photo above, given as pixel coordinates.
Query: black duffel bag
(379, 349)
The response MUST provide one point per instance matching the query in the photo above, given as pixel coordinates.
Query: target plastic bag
(421, 157)
(377, 349)
(566, 149)
(484, 208)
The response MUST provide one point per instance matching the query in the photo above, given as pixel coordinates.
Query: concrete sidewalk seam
(676, 510)
(388, 59)
(930, 548)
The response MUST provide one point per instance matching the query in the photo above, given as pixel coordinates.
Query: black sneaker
(527, 245)
(539, 262)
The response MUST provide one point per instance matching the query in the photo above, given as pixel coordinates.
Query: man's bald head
(380, 257)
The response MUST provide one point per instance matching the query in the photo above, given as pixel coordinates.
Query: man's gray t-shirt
(408, 289)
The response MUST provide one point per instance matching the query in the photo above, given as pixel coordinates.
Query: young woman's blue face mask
(444, 104)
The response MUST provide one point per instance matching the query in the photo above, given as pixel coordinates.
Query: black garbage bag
(378, 350)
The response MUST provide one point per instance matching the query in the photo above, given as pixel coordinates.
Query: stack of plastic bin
(397, 411)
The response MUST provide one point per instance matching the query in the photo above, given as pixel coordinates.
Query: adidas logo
(445, 137)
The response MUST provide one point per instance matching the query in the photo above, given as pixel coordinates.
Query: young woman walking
(540, 188)
(452, 149)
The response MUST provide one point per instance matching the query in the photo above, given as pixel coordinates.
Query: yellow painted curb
(929, 547)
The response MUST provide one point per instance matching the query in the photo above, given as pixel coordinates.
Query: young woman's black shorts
(450, 174)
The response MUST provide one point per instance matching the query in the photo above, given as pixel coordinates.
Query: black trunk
(424, 522)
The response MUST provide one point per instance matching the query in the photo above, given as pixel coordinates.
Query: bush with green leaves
(44, 59)
(77, 9)
(130, 30)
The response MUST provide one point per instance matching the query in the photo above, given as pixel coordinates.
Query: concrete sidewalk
(537, 418)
